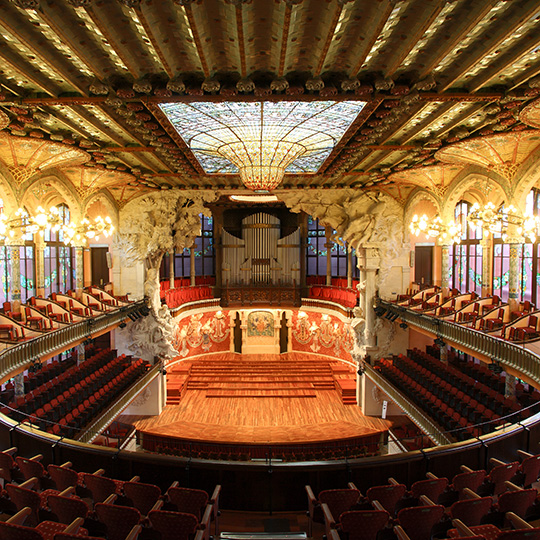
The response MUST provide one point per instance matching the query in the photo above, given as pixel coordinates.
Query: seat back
(472, 480)
(67, 509)
(173, 525)
(143, 496)
(119, 520)
(517, 501)
(62, 476)
(388, 495)
(363, 524)
(100, 486)
(471, 511)
(520, 534)
(339, 500)
(432, 488)
(30, 467)
(22, 497)
(500, 474)
(189, 501)
(9, 531)
(531, 469)
(417, 521)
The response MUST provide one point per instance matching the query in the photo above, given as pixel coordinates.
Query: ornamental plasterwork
(530, 114)
(24, 156)
(436, 178)
(363, 220)
(4, 120)
(502, 153)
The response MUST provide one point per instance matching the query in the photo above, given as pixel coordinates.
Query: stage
(246, 403)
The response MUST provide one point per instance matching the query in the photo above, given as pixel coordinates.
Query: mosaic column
(328, 246)
(513, 275)
(487, 247)
(171, 269)
(14, 246)
(18, 384)
(40, 265)
(445, 269)
(192, 264)
(79, 270)
(349, 266)
(510, 386)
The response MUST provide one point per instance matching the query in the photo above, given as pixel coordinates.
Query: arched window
(529, 256)
(59, 259)
(203, 253)
(466, 258)
(316, 251)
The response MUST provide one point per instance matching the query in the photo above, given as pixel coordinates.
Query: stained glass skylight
(262, 140)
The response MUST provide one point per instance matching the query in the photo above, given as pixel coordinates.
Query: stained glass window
(316, 251)
(466, 258)
(59, 259)
(220, 134)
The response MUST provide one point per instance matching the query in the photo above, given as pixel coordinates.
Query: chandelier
(72, 234)
(262, 140)
(498, 220)
(446, 234)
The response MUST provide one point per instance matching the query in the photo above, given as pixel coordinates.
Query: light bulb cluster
(445, 233)
(72, 234)
(498, 220)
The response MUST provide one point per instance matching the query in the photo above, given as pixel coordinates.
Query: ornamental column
(328, 245)
(171, 269)
(18, 384)
(192, 264)
(349, 266)
(487, 248)
(510, 386)
(515, 240)
(445, 270)
(14, 246)
(372, 262)
(39, 262)
(79, 270)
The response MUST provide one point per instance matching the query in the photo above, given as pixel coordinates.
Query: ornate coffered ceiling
(90, 75)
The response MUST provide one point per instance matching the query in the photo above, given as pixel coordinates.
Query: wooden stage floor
(260, 420)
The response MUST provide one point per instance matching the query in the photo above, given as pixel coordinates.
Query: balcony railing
(508, 354)
(21, 355)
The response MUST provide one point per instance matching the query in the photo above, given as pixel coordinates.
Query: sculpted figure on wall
(152, 226)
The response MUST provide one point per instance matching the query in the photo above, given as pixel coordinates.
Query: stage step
(266, 393)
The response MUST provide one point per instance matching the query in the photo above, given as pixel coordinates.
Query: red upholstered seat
(143, 496)
(119, 520)
(173, 525)
(363, 524)
(418, 521)
(189, 501)
(387, 495)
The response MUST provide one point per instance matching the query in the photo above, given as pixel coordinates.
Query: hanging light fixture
(52, 221)
(448, 233)
(497, 221)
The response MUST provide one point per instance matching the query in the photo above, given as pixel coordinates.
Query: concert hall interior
(268, 250)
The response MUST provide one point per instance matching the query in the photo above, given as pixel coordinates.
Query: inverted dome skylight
(262, 140)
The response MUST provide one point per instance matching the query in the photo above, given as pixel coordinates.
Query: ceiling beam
(197, 40)
(329, 38)
(475, 52)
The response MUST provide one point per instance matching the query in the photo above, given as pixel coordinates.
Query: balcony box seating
(530, 331)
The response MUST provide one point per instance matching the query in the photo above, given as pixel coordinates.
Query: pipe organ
(261, 257)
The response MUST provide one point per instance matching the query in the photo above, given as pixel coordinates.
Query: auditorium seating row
(469, 386)
(345, 297)
(177, 297)
(165, 285)
(335, 282)
(54, 387)
(36, 376)
(65, 404)
(48, 499)
(429, 507)
(460, 426)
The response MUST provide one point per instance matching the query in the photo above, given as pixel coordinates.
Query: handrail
(22, 354)
(508, 354)
(407, 406)
(104, 419)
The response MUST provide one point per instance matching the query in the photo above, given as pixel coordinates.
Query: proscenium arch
(108, 202)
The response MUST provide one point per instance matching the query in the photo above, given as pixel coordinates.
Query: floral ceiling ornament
(530, 114)
(4, 120)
